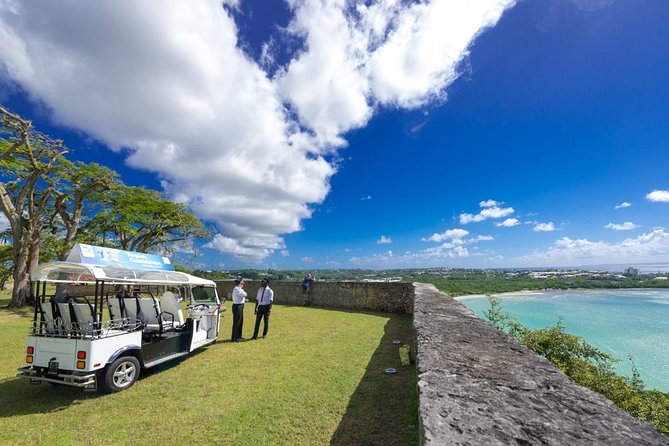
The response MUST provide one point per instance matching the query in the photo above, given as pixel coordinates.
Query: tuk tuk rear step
(69, 380)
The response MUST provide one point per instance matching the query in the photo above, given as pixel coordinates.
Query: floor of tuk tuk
(156, 346)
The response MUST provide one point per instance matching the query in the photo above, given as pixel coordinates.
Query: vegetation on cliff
(587, 366)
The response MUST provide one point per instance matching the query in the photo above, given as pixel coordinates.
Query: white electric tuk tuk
(103, 317)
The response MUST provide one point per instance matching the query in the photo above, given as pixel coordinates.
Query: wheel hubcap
(124, 374)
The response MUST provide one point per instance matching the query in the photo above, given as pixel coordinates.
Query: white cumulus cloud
(428, 257)
(623, 205)
(661, 196)
(490, 209)
(508, 223)
(455, 249)
(544, 227)
(481, 238)
(489, 204)
(626, 226)
(448, 234)
(651, 246)
(171, 85)
(384, 240)
(231, 246)
(420, 46)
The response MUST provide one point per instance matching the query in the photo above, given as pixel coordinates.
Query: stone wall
(479, 386)
(374, 296)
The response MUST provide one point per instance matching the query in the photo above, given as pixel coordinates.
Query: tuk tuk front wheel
(121, 374)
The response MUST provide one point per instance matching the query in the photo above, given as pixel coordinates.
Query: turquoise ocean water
(618, 322)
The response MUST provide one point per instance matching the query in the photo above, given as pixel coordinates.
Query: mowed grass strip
(317, 379)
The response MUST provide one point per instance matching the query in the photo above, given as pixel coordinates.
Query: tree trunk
(21, 292)
(26, 257)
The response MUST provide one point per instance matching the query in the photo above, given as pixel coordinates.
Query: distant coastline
(549, 290)
(482, 282)
(514, 293)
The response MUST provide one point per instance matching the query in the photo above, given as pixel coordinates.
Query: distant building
(634, 272)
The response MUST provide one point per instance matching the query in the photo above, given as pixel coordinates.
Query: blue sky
(331, 134)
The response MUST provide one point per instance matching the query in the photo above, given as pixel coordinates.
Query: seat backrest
(150, 309)
(85, 318)
(170, 307)
(132, 309)
(114, 306)
(47, 317)
(64, 312)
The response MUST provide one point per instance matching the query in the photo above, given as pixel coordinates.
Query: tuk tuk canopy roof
(71, 272)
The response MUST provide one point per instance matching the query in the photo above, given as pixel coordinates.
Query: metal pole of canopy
(102, 296)
(43, 295)
(36, 297)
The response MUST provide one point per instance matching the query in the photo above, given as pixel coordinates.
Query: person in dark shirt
(263, 308)
(306, 289)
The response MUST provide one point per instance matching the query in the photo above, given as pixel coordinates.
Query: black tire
(120, 374)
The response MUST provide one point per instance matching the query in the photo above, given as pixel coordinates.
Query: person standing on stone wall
(263, 308)
(238, 299)
(306, 289)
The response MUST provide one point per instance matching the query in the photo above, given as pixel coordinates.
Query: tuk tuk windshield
(204, 294)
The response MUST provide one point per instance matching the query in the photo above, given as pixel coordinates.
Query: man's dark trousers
(263, 313)
(237, 321)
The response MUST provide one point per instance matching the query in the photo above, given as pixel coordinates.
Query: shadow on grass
(26, 311)
(19, 397)
(383, 410)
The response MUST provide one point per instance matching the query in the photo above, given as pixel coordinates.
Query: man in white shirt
(263, 308)
(238, 299)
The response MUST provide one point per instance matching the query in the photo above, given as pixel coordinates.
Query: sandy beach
(502, 295)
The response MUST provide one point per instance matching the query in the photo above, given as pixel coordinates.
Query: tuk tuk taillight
(30, 350)
(81, 355)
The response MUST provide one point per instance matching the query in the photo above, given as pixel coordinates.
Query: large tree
(139, 219)
(82, 188)
(29, 161)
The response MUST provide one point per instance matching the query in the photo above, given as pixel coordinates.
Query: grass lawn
(317, 379)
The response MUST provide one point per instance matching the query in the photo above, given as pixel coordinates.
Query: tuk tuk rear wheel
(121, 374)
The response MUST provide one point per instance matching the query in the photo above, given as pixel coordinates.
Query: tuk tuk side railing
(88, 330)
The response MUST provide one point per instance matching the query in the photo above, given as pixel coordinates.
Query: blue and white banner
(97, 255)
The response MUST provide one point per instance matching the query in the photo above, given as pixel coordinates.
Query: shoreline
(547, 290)
(478, 296)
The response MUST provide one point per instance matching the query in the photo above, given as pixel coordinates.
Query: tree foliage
(138, 219)
(83, 187)
(587, 366)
